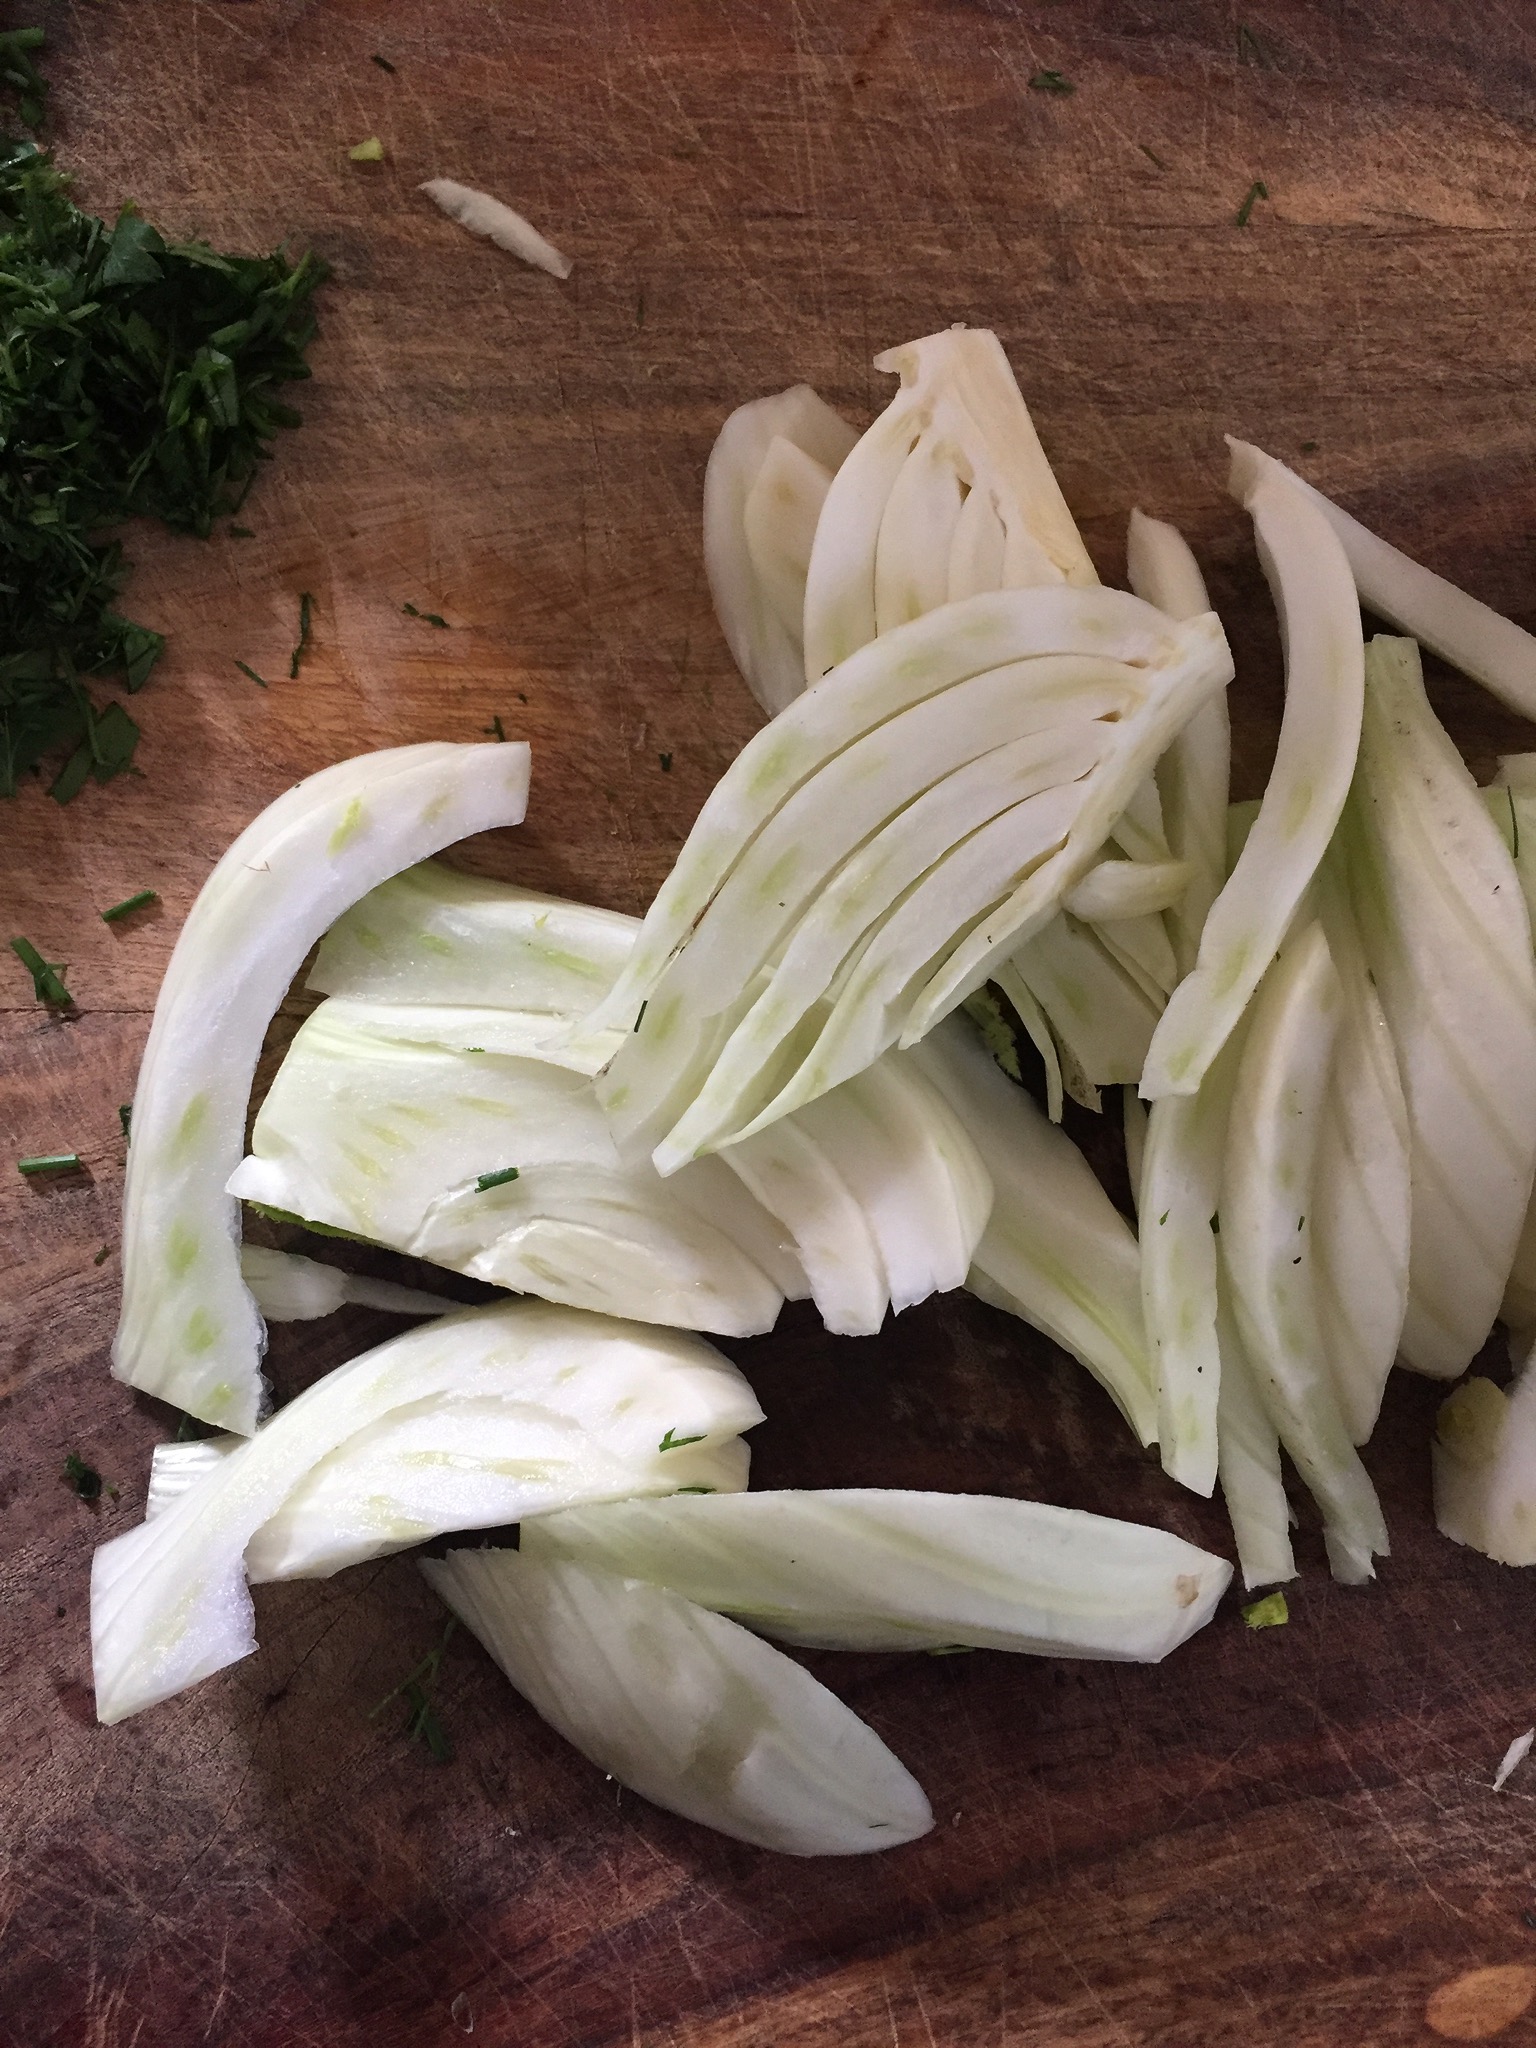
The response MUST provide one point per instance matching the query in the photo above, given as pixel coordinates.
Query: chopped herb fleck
(1164, 1217)
(189, 1430)
(83, 1479)
(246, 670)
(47, 982)
(241, 533)
(1151, 155)
(1257, 190)
(130, 904)
(427, 618)
(495, 727)
(369, 152)
(422, 1724)
(125, 1118)
(383, 63)
(1514, 827)
(50, 1162)
(102, 1256)
(1309, 447)
(643, 1008)
(1051, 81)
(306, 605)
(497, 1179)
(695, 1489)
(666, 763)
(1270, 1612)
(986, 1012)
(675, 1443)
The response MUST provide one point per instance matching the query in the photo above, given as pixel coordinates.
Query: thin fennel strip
(1319, 736)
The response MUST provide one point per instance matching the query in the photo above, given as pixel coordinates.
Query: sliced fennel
(1131, 888)
(880, 1186)
(190, 1331)
(1469, 635)
(1194, 775)
(1319, 735)
(291, 1289)
(1097, 1010)
(1269, 1234)
(687, 1709)
(1249, 1464)
(1447, 939)
(1485, 1467)
(948, 494)
(582, 1397)
(390, 1139)
(1056, 1251)
(1176, 1205)
(1037, 1029)
(768, 475)
(870, 1569)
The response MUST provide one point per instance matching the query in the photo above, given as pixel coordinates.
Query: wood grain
(1284, 1837)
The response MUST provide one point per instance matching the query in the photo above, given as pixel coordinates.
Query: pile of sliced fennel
(990, 808)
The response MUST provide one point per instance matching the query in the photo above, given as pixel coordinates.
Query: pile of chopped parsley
(137, 376)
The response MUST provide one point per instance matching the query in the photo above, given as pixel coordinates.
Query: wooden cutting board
(1285, 1837)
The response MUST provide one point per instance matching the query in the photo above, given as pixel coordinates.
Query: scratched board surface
(1282, 1837)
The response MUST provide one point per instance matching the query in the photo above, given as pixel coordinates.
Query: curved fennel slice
(898, 671)
(1319, 736)
(766, 481)
(189, 1330)
(1116, 888)
(169, 1600)
(874, 1569)
(1446, 935)
(1485, 1467)
(1249, 1462)
(1470, 635)
(1194, 776)
(689, 1710)
(1056, 1251)
(391, 1139)
(292, 1289)
(1269, 1239)
(948, 493)
(1097, 1011)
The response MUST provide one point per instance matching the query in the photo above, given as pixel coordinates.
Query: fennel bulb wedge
(1269, 1237)
(1319, 735)
(1485, 1467)
(948, 493)
(1056, 1251)
(766, 481)
(870, 1569)
(687, 1709)
(1447, 939)
(585, 1395)
(190, 1331)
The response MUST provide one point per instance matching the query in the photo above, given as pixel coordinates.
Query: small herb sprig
(415, 1689)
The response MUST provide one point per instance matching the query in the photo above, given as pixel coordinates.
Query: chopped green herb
(1257, 190)
(427, 618)
(643, 1008)
(422, 1724)
(246, 670)
(1216, 1225)
(21, 76)
(695, 1489)
(1514, 827)
(130, 904)
(1151, 155)
(1251, 49)
(241, 533)
(102, 1256)
(51, 1162)
(140, 379)
(985, 1010)
(125, 1118)
(47, 984)
(383, 63)
(1270, 1612)
(369, 152)
(1051, 81)
(83, 1479)
(306, 603)
(495, 727)
(1309, 447)
(189, 1430)
(675, 1443)
(952, 1650)
(497, 1179)
(666, 763)
(1164, 1217)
